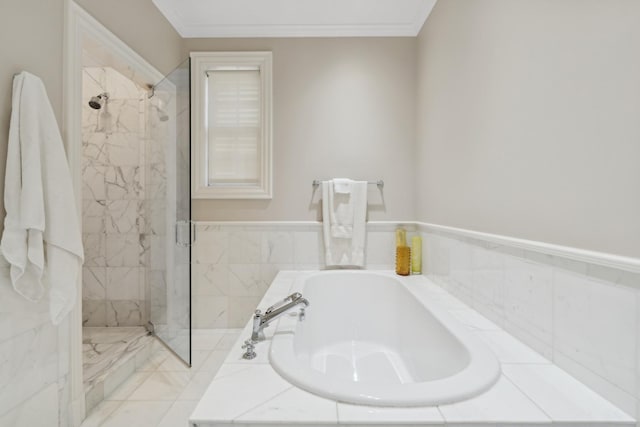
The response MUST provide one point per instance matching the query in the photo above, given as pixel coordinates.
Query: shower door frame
(78, 25)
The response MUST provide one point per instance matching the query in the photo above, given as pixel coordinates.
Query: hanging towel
(41, 239)
(341, 208)
(344, 211)
(342, 185)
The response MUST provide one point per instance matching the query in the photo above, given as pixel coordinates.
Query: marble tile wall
(113, 200)
(582, 316)
(234, 264)
(34, 361)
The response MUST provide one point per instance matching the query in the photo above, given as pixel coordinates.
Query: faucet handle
(283, 302)
(250, 352)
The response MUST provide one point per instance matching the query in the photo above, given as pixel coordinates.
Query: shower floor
(109, 356)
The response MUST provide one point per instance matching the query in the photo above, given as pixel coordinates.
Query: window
(231, 106)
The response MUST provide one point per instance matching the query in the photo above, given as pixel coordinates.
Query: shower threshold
(110, 356)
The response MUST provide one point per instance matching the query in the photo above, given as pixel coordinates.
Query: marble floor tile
(198, 358)
(214, 360)
(113, 380)
(138, 414)
(227, 341)
(155, 360)
(228, 369)
(161, 385)
(178, 414)
(203, 341)
(163, 391)
(197, 386)
(173, 364)
(101, 413)
(129, 385)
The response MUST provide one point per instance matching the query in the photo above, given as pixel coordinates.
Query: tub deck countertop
(531, 389)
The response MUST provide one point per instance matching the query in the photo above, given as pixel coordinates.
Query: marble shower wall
(582, 316)
(114, 201)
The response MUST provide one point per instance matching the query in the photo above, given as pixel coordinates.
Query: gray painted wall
(140, 24)
(31, 37)
(528, 120)
(342, 108)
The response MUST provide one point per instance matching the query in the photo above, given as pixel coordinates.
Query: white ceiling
(296, 18)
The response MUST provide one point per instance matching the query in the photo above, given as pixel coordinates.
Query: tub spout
(262, 320)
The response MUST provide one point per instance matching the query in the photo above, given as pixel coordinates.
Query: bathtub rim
(482, 372)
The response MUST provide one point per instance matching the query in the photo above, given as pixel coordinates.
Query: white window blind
(231, 115)
(234, 128)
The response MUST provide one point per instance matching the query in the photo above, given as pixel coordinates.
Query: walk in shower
(135, 218)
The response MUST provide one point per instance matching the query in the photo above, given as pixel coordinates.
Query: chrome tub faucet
(262, 320)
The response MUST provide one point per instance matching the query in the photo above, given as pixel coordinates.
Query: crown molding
(265, 31)
(411, 28)
(422, 16)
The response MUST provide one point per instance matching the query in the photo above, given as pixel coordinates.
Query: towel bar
(379, 183)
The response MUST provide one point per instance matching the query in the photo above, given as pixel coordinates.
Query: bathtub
(369, 338)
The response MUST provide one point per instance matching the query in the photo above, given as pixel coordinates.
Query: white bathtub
(369, 338)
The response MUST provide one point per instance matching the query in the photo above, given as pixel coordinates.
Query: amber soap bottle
(403, 253)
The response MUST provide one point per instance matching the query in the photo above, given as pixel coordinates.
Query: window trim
(206, 61)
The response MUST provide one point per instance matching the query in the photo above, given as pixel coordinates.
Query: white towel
(41, 239)
(342, 185)
(344, 212)
(341, 208)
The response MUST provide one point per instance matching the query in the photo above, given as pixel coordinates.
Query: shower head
(96, 102)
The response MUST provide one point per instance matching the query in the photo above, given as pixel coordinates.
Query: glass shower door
(170, 206)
